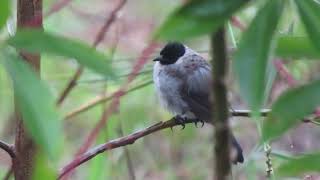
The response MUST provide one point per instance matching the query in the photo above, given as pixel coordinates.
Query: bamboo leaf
(198, 17)
(251, 59)
(36, 105)
(309, 11)
(290, 108)
(42, 42)
(297, 166)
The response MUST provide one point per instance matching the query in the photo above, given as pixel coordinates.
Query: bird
(182, 79)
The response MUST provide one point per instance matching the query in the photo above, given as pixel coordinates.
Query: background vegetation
(273, 46)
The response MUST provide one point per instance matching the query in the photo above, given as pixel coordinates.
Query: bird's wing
(197, 89)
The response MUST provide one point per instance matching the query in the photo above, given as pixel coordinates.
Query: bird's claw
(196, 122)
(180, 120)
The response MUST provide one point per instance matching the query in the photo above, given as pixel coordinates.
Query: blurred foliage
(275, 29)
(251, 59)
(39, 112)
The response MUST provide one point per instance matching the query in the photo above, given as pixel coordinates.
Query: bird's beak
(157, 59)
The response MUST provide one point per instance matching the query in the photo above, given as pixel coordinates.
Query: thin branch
(237, 23)
(71, 84)
(9, 148)
(284, 73)
(123, 141)
(246, 113)
(101, 99)
(98, 39)
(131, 138)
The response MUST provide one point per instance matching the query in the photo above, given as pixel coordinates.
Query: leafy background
(179, 154)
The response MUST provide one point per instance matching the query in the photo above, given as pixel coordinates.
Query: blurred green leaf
(309, 11)
(42, 169)
(36, 104)
(198, 17)
(300, 165)
(4, 12)
(43, 42)
(296, 47)
(290, 108)
(251, 59)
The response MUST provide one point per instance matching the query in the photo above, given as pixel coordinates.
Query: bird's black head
(171, 53)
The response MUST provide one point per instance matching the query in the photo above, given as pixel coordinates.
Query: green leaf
(290, 108)
(309, 11)
(43, 42)
(251, 59)
(296, 47)
(36, 105)
(198, 17)
(4, 12)
(304, 164)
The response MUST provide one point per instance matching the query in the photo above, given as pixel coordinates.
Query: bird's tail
(238, 157)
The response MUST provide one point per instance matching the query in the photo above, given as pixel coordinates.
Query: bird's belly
(171, 99)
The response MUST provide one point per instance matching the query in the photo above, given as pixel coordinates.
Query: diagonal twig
(131, 138)
(123, 141)
(9, 148)
(101, 99)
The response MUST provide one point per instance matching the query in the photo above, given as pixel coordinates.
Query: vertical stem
(29, 14)
(220, 106)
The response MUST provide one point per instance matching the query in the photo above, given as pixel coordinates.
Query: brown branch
(284, 73)
(29, 14)
(237, 23)
(98, 39)
(9, 148)
(131, 138)
(222, 165)
(123, 141)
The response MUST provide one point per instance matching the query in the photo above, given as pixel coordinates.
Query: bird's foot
(196, 122)
(183, 120)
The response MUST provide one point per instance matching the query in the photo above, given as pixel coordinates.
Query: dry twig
(9, 148)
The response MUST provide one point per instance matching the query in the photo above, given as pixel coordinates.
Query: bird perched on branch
(182, 79)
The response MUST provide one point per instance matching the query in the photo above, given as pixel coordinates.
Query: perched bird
(182, 79)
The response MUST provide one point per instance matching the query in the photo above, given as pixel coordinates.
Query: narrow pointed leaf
(309, 11)
(198, 17)
(291, 108)
(36, 105)
(304, 164)
(251, 59)
(4, 12)
(43, 42)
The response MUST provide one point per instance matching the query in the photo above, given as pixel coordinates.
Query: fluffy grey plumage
(182, 79)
